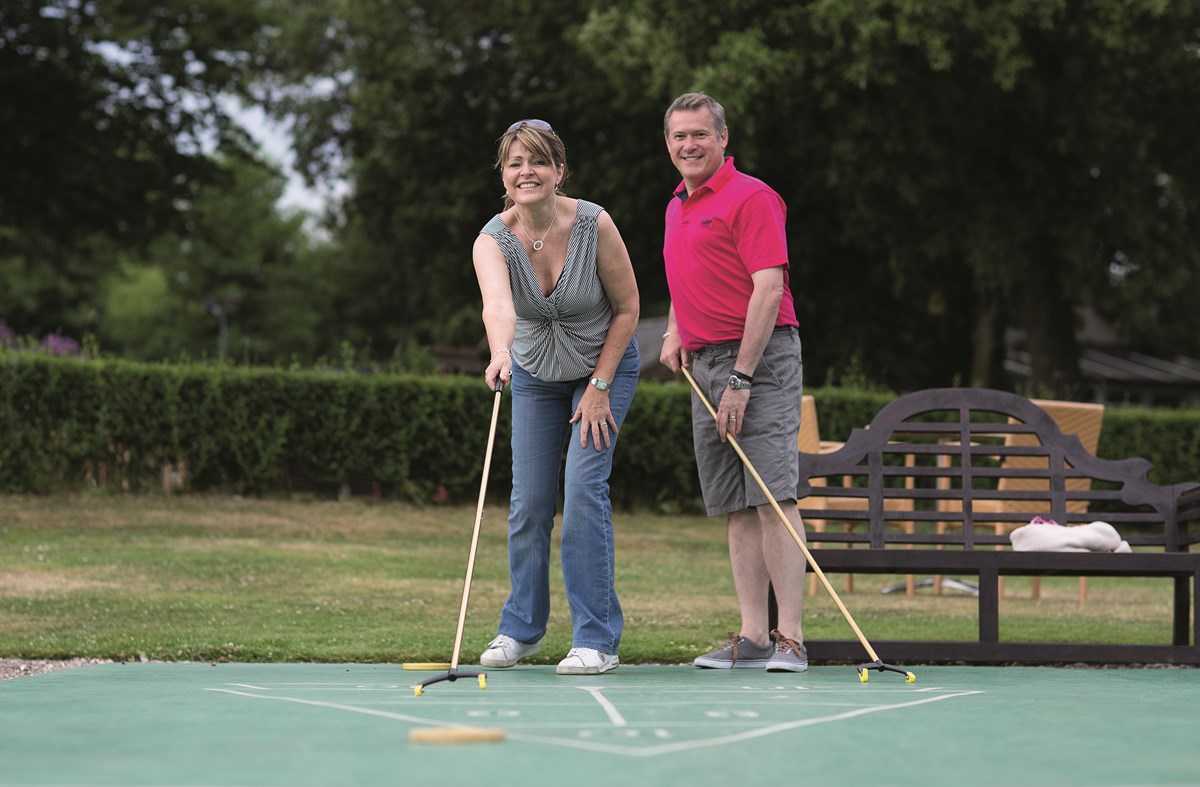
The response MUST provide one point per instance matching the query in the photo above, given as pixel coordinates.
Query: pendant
(537, 245)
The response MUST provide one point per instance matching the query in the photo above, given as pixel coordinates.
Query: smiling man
(732, 322)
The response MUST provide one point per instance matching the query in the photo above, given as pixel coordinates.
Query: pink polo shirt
(727, 229)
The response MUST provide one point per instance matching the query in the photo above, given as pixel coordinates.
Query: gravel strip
(21, 668)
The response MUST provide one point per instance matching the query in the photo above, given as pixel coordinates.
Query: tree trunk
(983, 345)
(1048, 317)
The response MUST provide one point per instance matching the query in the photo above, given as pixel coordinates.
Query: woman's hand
(499, 371)
(595, 419)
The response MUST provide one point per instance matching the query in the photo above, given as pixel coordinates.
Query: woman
(560, 305)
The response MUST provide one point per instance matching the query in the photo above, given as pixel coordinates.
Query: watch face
(600, 384)
(737, 383)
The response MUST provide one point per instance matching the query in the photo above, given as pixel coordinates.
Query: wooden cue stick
(487, 465)
(783, 518)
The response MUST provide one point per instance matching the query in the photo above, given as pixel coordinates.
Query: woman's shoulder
(588, 209)
(495, 225)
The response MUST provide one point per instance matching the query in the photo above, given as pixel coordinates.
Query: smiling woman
(560, 305)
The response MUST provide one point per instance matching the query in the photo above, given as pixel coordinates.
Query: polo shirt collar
(718, 179)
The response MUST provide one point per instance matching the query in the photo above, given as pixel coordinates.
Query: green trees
(969, 167)
(434, 84)
(957, 173)
(953, 170)
(236, 280)
(109, 111)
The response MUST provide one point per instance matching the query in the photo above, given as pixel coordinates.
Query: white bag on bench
(1094, 537)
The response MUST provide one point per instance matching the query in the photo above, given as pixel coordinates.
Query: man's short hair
(693, 101)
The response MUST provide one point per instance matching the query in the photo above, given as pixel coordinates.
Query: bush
(70, 423)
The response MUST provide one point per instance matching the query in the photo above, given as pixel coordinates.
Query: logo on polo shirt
(706, 224)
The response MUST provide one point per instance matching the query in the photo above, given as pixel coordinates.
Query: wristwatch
(739, 381)
(600, 383)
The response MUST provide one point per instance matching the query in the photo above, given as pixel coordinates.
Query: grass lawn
(225, 579)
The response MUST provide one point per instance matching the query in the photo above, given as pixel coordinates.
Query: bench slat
(920, 462)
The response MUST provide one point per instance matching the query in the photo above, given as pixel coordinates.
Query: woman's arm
(499, 315)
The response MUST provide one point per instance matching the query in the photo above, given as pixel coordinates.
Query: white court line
(324, 686)
(639, 689)
(629, 751)
(351, 708)
(720, 740)
(614, 715)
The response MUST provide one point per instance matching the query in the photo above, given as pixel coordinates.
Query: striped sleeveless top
(559, 337)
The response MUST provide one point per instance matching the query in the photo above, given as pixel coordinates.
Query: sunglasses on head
(532, 123)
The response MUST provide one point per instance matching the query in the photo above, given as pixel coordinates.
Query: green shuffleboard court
(349, 724)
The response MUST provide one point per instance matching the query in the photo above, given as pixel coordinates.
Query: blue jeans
(540, 414)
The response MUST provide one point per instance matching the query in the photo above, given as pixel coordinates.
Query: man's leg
(750, 577)
(785, 566)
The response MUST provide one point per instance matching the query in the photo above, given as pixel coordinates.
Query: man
(732, 322)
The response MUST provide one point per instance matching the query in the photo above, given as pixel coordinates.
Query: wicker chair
(1078, 418)
(809, 441)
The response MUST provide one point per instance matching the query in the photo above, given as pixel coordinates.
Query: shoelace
(785, 643)
(733, 641)
(579, 654)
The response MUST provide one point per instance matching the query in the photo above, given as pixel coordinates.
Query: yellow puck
(427, 665)
(440, 735)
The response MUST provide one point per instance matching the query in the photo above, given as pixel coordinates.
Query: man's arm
(672, 354)
(761, 313)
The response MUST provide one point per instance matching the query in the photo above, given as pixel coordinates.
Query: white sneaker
(586, 661)
(504, 651)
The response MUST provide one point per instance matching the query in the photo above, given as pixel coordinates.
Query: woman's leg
(540, 416)
(588, 561)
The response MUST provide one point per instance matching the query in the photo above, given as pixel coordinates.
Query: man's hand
(731, 411)
(673, 356)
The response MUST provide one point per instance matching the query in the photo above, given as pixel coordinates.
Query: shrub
(69, 423)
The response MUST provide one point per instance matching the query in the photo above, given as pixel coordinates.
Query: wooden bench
(956, 436)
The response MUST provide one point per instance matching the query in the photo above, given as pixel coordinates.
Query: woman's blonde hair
(539, 141)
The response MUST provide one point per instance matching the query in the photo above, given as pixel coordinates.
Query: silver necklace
(537, 244)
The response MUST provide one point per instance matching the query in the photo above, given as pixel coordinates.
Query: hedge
(68, 424)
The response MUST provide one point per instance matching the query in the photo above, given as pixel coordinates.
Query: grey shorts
(769, 428)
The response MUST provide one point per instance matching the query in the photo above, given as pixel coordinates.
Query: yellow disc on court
(427, 665)
(456, 735)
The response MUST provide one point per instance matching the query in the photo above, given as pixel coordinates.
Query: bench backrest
(1082, 419)
(956, 453)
